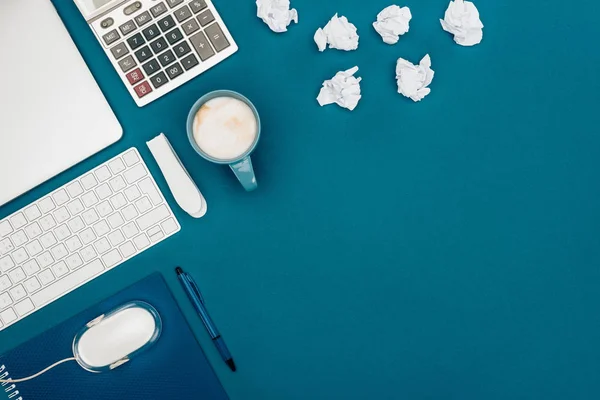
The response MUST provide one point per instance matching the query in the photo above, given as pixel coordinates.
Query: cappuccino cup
(224, 127)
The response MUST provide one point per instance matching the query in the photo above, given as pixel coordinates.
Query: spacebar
(67, 283)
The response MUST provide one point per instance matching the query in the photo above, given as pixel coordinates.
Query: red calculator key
(142, 89)
(135, 76)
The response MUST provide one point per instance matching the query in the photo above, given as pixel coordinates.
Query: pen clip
(194, 287)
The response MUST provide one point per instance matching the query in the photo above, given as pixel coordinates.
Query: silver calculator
(158, 45)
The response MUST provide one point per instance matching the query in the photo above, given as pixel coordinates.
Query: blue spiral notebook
(175, 367)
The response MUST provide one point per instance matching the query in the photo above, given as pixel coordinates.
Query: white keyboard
(78, 232)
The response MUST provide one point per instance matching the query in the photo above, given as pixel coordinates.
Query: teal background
(448, 249)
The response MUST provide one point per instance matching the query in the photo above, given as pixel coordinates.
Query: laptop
(52, 112)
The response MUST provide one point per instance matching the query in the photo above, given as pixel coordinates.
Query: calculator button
(166, 23)
(119, 50)
(183, 13)
(135, 76)
(173, 3)
(151, 67)
(202, 46)
(206, 18)
(136, 41)
(143, 18)
(142, 89)
(159, 79)
(130, 9)
(190, 27)
(151, 32)
(182, 49)
(107, 23)
(166, 58)
(159, 45)
(189, 62)
(127, 63)
(158, 9)
(127, 27)
(174, 36)
(216, 37)
(111, 37)
(198, 5)
(143, 54)
(174, 70)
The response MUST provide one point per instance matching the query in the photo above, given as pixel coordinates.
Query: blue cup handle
(245, 173)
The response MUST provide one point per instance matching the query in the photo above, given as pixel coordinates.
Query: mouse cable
(39, 373)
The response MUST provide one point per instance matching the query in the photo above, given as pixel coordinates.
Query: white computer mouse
(114, 338)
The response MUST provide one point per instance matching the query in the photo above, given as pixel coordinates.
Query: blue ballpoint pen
(197, 300)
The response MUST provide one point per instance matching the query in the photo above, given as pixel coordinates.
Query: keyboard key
(4, 283)
(66, 284)
(174, 70)
(46, 204)
(32, 284)
(32, 212)
(45, 259)
(159, 45)
(136, 41)
(33, 230)
(198, 5)
(73, 243)
(129, 212)
(111, 258)
(148, 187)
(183, 13)
(17, 292)
(143, 18)
(115, 220)
(132, 193)
(127, 249)
(117, 183)
(166, 58)
(5, 300)
(131, 158)
(19, 238)
(166, 23)
(5, 228)
(115, 238)
(48, 240)
(6, 246)
(102, 173)
(8, 316)
(111, 37)
(46, 276)
(151, 32)
(104, 209)
(90, 216)
(87, 236)
(88, 253)
(135, 76)
(89, 199)
(189, 62)
(157, 236)
(62, 232)
(206, 18)
(190, 27)
(143, 54)
(174, 3)
(6, 263)
(101, 228)
(202, 47)
(130, 230)
(158, 80)
(174, 36)
(103, 191)
(47, 222)
(60, 269)
(59, 251)
(141, 241)
(61, 215)
(19, 255)
(74, 261)
(76, 224)
(18, 221)
(127, 63)
(127, 27)
(143, 205)
(34, 248)
(17, 275)
(181, 49)
(74, 189)
(75, 207)
(31, 267)
(151, 67)
(102, 245)
(216, 37)
(158, 9)
(142, 89)
(118, 201)
(152, 217)
(119, 51)
(24, 307)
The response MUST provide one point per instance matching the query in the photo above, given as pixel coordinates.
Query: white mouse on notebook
(112, 339)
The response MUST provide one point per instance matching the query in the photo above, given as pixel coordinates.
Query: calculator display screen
(88, 7)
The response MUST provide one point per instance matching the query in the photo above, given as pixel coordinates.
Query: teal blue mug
(241, 165)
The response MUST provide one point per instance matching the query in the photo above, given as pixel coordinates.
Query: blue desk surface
(448, 249)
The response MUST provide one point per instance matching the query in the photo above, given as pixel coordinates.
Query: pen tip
(231, 364)
(179, 271)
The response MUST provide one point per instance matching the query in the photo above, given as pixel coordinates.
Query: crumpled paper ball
(462, 20)
(392, 22)
(338, 33)
(343, 89)
(413, 80)
(276, 14)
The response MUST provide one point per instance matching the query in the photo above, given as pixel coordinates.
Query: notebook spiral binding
(9, 388)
